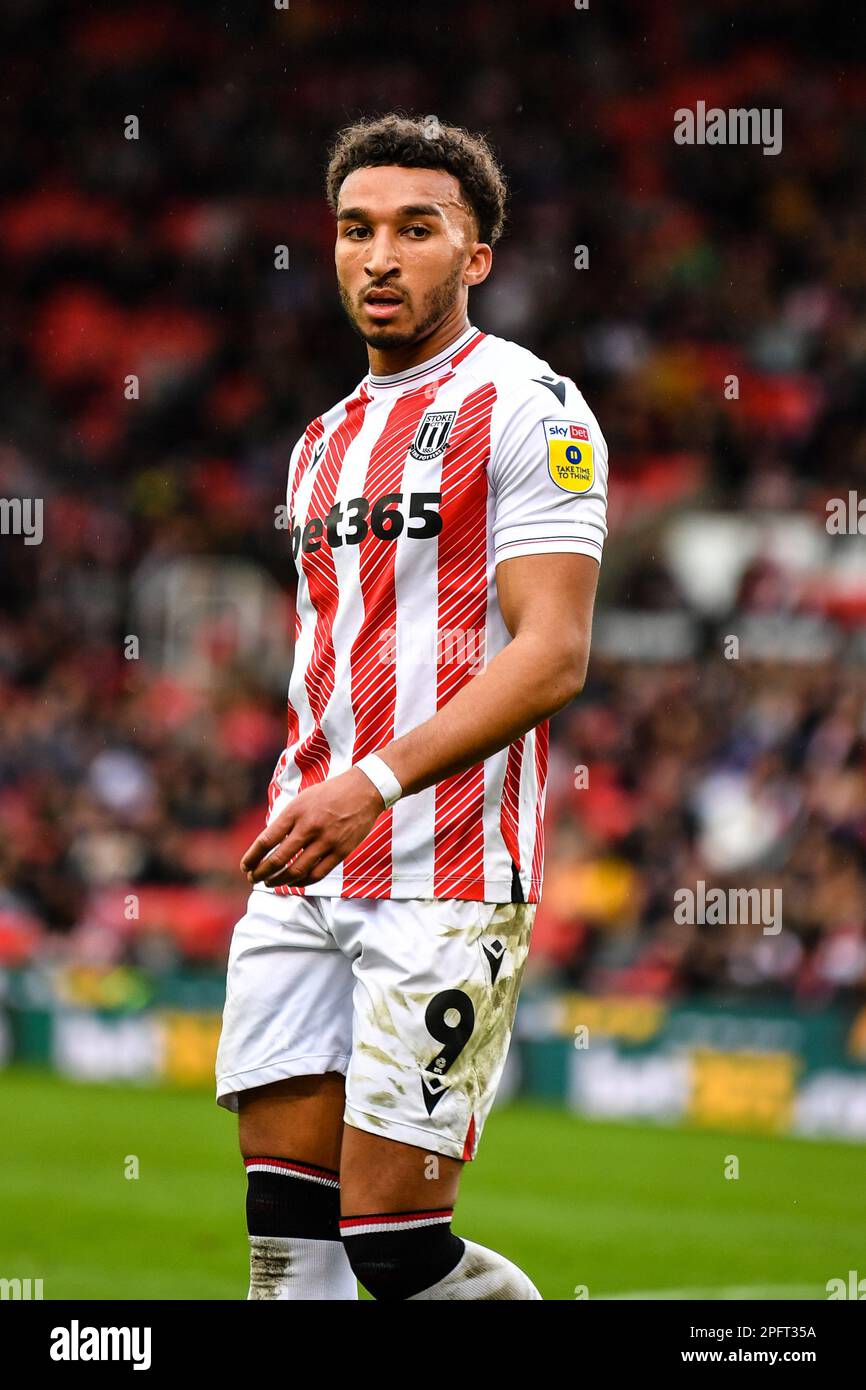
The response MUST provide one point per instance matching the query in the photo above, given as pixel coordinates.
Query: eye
(349, 230)
(418, 227)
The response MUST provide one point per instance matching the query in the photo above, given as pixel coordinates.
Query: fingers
(279, 857)
(284, 867)
(252, 855)
(300, 846)
(324, 866)
(307, 867)
(269, 838)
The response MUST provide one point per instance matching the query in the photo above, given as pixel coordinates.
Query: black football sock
(293, 1211)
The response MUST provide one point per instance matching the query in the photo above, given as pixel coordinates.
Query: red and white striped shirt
(402, 500)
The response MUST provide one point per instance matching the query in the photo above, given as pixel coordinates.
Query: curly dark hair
(422, 142)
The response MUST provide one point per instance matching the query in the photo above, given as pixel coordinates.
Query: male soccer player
(447, 522)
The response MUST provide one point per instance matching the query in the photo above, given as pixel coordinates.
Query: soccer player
(447, 521)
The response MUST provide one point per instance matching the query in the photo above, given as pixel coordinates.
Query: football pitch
(626, 1210)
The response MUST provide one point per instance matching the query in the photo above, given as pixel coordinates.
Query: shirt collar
(432, 366)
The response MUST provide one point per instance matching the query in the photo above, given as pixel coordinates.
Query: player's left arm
(547, 604)
(548, 528)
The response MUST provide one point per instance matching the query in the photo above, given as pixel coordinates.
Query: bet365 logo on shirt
(569, 455)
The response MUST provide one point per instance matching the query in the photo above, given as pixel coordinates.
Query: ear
(480, 264)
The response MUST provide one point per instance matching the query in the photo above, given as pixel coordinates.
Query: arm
(546, 602)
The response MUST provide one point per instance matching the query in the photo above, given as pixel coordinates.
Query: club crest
(432, 434)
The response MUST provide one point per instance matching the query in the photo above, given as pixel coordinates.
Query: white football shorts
(413, 1001)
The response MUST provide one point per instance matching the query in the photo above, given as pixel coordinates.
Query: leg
(290, 1136)
(397, 1202)
(380, 1174)
(300, 1117)
(434, 1004)
(285, 1044)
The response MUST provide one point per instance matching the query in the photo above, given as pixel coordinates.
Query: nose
(382, 258)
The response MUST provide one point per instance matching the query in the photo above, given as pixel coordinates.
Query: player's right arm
(548, 526)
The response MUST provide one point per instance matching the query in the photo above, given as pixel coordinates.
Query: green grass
(619, 1208)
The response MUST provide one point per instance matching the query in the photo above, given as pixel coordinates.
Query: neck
(386, 361)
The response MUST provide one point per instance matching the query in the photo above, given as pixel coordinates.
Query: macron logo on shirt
(557, 387)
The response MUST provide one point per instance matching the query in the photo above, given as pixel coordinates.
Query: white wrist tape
(382, 777)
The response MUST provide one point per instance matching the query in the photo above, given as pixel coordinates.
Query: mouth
(382, 304)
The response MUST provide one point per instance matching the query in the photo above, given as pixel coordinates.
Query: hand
(321, 826)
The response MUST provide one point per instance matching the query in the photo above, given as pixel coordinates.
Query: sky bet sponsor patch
(569, 455)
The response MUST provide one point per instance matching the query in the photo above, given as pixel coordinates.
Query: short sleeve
(548, 472)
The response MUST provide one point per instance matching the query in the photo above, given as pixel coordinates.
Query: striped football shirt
(402, 499)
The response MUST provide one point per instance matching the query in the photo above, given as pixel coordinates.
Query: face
(406, 237)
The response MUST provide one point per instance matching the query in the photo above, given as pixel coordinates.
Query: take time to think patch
(569, 455)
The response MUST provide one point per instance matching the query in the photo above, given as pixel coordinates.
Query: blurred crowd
(663, 779)
(128, 791)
